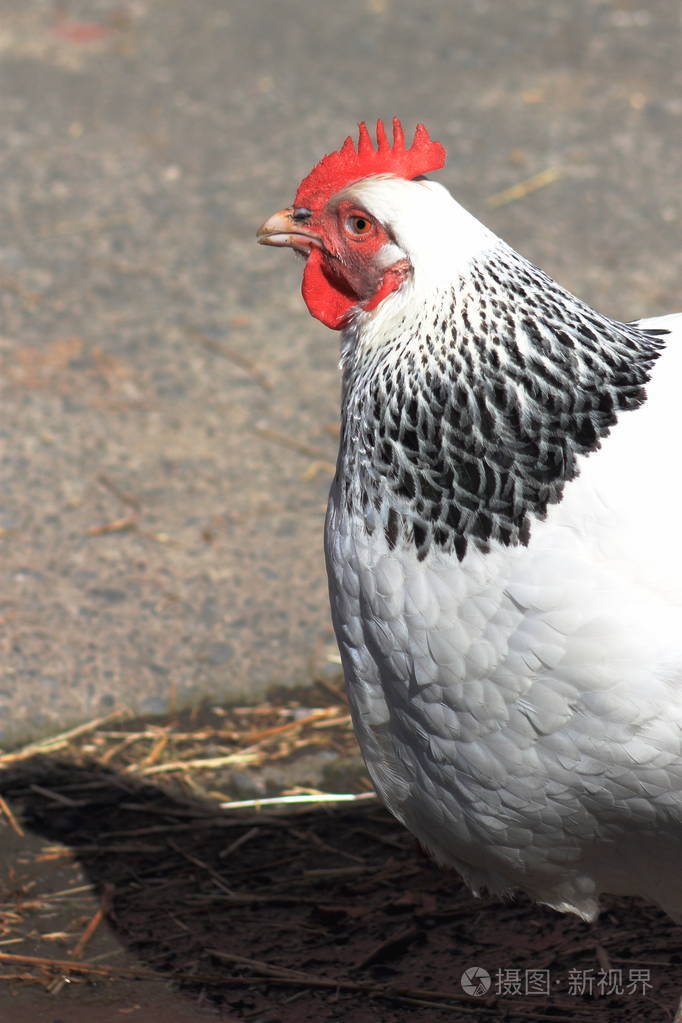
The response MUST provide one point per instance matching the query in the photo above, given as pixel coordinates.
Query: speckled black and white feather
(468, 421)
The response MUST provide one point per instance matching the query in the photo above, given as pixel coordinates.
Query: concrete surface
(168, 406)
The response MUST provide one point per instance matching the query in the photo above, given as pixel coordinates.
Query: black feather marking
(460, 546)
(392, 528)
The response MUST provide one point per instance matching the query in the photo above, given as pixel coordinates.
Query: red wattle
(331, 303)
(325, 301)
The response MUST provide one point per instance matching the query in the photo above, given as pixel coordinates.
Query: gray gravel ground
(168, 407)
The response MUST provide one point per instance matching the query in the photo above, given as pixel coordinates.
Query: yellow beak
(282, 229)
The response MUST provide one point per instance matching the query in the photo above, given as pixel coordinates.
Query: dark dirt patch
(127, 1004)
(339, 914)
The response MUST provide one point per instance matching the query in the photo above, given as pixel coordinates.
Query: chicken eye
(358, 225)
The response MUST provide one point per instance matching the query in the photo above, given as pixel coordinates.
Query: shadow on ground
(325, 915)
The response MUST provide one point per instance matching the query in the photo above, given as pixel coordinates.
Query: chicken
(503, 541)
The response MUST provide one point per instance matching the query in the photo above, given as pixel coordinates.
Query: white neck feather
(438, 236)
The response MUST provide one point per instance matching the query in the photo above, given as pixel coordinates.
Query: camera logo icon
(475, 981)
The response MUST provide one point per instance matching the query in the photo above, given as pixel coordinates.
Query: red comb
(337, 170)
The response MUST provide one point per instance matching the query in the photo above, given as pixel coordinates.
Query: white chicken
(503, 539)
